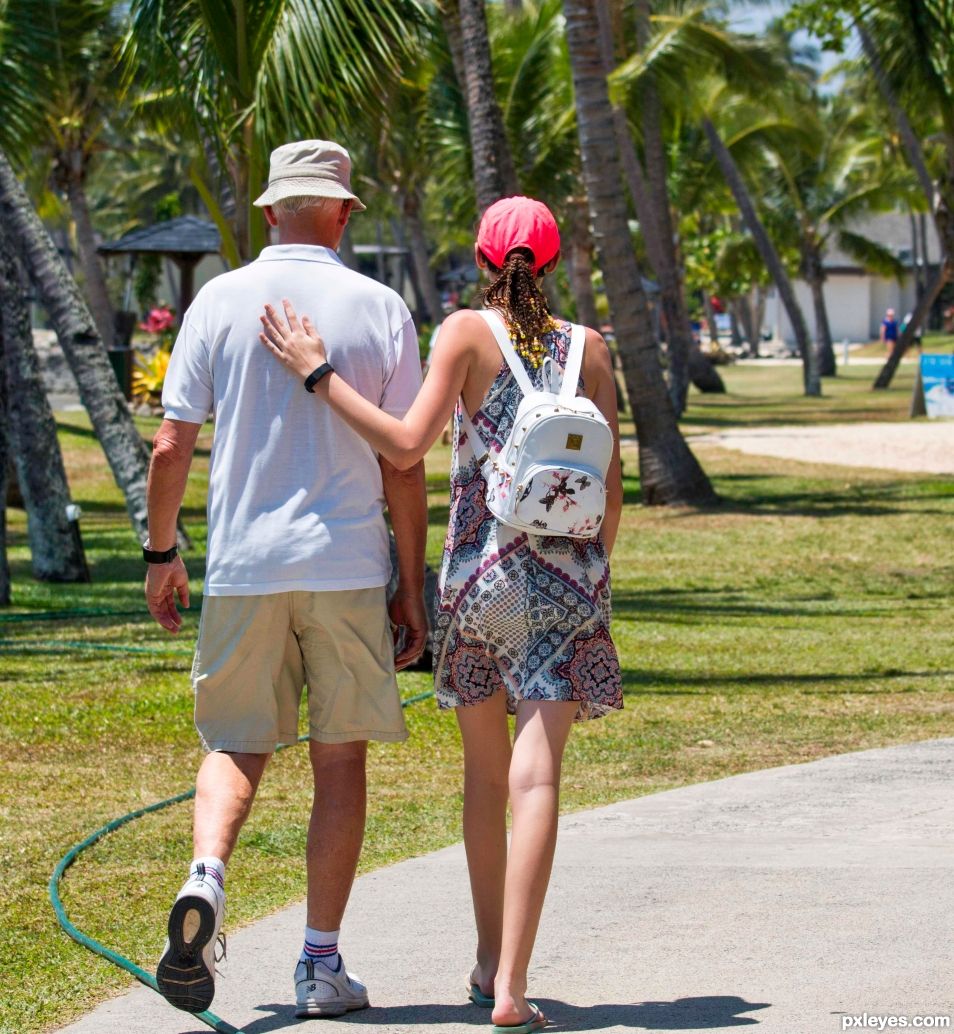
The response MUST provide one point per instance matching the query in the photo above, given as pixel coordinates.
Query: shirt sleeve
(187, 390)
(404, 381)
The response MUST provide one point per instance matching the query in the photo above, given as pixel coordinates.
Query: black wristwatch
(315, 376)
(158, 556)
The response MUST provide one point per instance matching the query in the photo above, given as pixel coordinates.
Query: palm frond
(870, 255)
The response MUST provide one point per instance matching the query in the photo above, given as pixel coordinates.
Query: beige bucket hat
(309, 168)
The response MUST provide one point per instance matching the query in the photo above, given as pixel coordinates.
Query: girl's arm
(600, 384)
(402, 442)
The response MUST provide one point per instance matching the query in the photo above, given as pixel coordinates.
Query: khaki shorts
(256, 653)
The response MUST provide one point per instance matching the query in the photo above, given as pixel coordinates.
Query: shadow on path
(704, 1013)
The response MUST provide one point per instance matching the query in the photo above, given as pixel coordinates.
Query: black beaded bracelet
(315, 376)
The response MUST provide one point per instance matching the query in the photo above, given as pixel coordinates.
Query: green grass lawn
(809, 614)
(934, 341)
(770, 394)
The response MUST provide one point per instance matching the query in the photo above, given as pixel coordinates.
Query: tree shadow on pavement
(702, 1013)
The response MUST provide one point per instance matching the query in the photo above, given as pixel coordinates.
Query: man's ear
(345, 212)
(270, 215)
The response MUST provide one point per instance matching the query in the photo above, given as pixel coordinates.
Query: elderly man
(297, 563)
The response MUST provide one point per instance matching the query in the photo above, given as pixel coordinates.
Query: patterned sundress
(529, 614)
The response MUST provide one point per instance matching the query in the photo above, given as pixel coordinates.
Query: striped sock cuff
(320, 951)
(199, 870)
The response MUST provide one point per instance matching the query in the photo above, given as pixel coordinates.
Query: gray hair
(293, 205)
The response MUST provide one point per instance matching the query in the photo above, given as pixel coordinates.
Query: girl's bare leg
(486, 739)
(541, 735)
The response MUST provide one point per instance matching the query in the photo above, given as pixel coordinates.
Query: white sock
(321, 946)
(210, 866)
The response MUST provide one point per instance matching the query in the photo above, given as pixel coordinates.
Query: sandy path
(916, 447)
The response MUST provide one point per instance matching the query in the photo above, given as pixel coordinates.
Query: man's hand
(163, 583)
(406, 609)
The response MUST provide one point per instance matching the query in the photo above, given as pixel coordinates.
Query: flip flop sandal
(479, 998)
(536, 1022)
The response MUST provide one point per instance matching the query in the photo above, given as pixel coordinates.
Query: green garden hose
(208, 1018)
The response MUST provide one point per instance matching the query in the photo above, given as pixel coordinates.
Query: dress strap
(474, 440)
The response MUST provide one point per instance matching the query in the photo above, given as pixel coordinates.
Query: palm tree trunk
(580, 263)
(650, 194)
(814, 273)
(99, 391)
(494, 172)
(760, 299)
(55, 546)
(4, 484)
(100, 305)
(669, 473)
(921, 310)
(417, 243)
(909, 138)
(827, 366)
(769, 256)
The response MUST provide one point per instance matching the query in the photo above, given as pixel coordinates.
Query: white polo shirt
(295, 496)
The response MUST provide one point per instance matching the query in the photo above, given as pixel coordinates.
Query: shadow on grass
(129, 567)
(706, 1012)
(766, 495)
(702, 606)
(110, 509)
(762, 414)
(639, 682)
(87, 432)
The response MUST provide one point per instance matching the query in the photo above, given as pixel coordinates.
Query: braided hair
(514, 290)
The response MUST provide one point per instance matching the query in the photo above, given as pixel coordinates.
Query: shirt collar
(299, 252)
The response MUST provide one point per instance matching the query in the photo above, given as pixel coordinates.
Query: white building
(856, 300)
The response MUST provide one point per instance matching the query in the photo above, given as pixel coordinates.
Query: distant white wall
(856, 304)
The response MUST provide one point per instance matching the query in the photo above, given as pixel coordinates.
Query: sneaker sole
(331, 1007)
(183, 977)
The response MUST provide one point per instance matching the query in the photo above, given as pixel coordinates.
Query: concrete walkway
(792, 898)
(923, 446)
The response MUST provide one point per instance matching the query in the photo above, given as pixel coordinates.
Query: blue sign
(937, 382)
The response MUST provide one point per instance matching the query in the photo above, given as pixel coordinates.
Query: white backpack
(550, 476)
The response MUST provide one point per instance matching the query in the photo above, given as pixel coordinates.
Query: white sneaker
(186, 971)
(321, 992)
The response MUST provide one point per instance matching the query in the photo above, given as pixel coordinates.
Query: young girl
(522, 622)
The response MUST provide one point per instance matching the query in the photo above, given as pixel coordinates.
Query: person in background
(889, 331)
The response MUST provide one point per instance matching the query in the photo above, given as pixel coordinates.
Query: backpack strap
(517, 368)
(574, 362)
(474, 440)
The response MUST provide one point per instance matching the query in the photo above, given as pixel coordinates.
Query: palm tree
(78, 337)
(56, 548)
(829, 174)
(61, 64)
(714, 71)
(465, 24)
(648, 187)
(669, 473)
(907, 48)
(5, 459)
(240, 78)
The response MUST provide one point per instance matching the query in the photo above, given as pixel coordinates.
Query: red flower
(157, 321)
